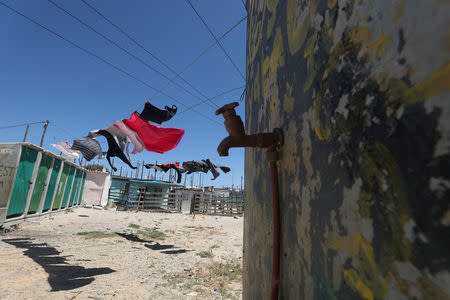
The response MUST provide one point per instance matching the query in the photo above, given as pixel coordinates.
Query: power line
(198, 57)
(142, 47)
(20, 125)
(121, 48)
(216, 96)
(102, 59)
(213, 35)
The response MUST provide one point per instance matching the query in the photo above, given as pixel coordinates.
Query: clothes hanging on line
(156, 139)
(67, 154)
(121, 139)
(154, 114)
(195, 166)
(155, 167)
(132, 135)
(67, 147)
(204, 166)
(167, 167)
(211, 168)
(89, 147)
(114, 149)
(224, 169)
(176, 167)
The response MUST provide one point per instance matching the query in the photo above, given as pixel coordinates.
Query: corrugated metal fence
(138, 197)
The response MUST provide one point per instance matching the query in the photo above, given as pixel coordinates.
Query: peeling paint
(360, 89)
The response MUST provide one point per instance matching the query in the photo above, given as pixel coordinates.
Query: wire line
(101, 59)
(213, 35)
(199, 56)
(20, 125)
(142, 47)
(216, 96)
(122, 49)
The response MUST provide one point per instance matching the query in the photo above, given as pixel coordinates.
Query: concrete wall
(361, 91)
(96, 188)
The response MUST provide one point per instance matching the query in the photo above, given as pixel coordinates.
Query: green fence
(34, 181)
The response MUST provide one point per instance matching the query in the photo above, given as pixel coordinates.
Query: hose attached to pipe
(275, 281)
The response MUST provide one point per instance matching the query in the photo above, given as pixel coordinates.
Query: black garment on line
(212, 168)
(179, 172)
(167, 167)
(224, 169)
(195, 166)
(154, 114)
(114, 149)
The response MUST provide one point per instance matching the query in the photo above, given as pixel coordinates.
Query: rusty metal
(238, 138)
(272, 141)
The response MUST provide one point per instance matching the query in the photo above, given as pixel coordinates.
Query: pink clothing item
(132, 135)
(156, 139)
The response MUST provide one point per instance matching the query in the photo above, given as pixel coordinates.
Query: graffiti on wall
(361, 91)
(8, 156)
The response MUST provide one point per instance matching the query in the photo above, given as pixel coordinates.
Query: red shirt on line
(156, 139)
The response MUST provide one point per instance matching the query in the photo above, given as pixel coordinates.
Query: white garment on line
(67, 154)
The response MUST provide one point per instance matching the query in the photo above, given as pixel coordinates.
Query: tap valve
(233, 123)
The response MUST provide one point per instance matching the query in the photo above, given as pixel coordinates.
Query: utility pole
(142, 170)
(120, 174)
(185, 180)
(43, 133)
(137, 170)
(26, 133)
(241, 183)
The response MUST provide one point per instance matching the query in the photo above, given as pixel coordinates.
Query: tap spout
(260, 140)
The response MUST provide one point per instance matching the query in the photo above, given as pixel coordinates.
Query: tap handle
(226, 107)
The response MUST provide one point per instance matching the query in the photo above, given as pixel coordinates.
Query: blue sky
(43, 77)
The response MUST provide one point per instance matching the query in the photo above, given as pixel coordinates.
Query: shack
(142, 194)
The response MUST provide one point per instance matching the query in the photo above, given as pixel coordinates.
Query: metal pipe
(275, 281)
(270, 141)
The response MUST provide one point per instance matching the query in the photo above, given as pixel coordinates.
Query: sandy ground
(132, 255)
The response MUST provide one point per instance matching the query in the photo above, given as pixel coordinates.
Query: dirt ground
(106, 254)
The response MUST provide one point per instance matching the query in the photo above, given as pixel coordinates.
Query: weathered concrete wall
(361, 90)
(96, 188)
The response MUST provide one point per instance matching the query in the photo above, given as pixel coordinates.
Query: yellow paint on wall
(352, 279)
(380, 44)
(399, 10)
(288, 103)
(366, 278)
(321, 133)
(430, 290)
(296, 33)
(275, 60)
(438, 83)
(332, 3)
(271, 6)
(362, 35)
(273, 104)
(309, 80)
(310, 46)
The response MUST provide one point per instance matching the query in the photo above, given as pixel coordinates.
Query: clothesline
(138, 131)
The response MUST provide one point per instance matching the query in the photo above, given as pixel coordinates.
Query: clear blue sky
(43, 77)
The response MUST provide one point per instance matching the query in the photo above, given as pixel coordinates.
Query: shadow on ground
(61, 275)
(155, 246)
